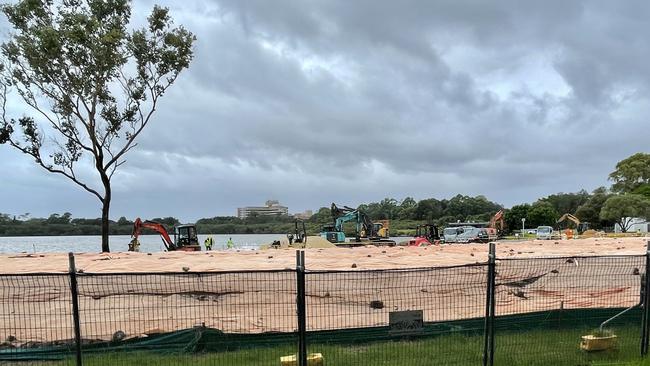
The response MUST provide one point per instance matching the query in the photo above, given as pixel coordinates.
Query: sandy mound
(311, 242)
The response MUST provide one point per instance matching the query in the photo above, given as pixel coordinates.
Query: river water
(120, 243)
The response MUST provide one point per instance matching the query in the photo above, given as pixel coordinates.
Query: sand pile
(311, 242)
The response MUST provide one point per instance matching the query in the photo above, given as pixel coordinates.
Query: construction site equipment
(581, 227)
(544, 233)
(427, 234)
(497, 225)
(473, 235)
(185, 237)
(299, 234)
(381, 228)
(366, 231)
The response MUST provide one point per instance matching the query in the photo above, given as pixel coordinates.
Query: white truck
(544, 233)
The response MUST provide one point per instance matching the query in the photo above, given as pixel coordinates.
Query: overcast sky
(313, 102)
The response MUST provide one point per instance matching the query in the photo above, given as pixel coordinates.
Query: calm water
(120, 243)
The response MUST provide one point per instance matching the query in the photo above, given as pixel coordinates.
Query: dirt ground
(37, 308)
(317, 259)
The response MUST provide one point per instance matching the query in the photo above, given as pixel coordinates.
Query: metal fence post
(488, 346)
(75, 307)
(301, 307)
(645, 319)
(493, 264)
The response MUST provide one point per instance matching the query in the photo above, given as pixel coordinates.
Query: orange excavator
(185, 237)
(497, 225)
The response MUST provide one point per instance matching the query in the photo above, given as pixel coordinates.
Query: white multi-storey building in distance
(272, 208)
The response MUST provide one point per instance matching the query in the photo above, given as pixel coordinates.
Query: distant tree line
(628, 197)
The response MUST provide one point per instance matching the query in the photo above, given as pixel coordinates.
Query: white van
(544, 232)
(450, 234)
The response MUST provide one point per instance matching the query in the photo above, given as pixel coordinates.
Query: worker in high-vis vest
(208, 243)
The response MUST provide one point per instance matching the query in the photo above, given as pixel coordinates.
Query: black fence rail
(504, 312)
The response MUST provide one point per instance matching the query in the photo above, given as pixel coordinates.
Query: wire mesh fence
(397, 317)
(426, 316)
(563, 299)
(222, 314)
(35, 318)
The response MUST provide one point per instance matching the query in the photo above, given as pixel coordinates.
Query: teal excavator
(366, 231)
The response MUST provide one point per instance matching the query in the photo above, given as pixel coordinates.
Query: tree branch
(51, 169)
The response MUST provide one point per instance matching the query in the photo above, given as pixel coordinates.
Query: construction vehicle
(545, 233)
(427, 234)
(185, 237)
(366, 231)
(299, 234)
(581, 227)
(381, 228)
(496, 226)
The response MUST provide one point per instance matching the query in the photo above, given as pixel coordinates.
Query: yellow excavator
(581, 227)
(381, 228)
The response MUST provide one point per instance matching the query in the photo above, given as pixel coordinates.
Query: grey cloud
(352, 101)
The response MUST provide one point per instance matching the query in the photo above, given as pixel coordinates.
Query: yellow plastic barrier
(313, 359)
(593, 343)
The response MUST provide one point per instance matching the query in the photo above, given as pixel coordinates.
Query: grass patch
(539, 347)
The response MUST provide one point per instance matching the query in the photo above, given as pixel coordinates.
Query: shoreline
(338, 259)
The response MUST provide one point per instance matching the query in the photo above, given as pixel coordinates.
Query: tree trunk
(106, 203)
(623, 224)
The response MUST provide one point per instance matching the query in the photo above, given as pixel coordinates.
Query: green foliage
(404, 216)
(168, 222)
(429, 209)
(542, 213)
(622, 208)
(590, 210)
(92, 81)
(59, 219)
(643, 189)
(514, 215)
(322, 216)
(407, 207)
(463, 206)
(5, 218)
(567, 202)
(631, 173)
(59, 224)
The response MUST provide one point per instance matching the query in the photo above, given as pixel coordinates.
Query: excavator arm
(347, 214)
(568, 216)
(497, 221)
(581, 227)
(138, 225)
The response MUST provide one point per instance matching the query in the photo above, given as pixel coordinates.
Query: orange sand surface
(318, 259)
(37, 308)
